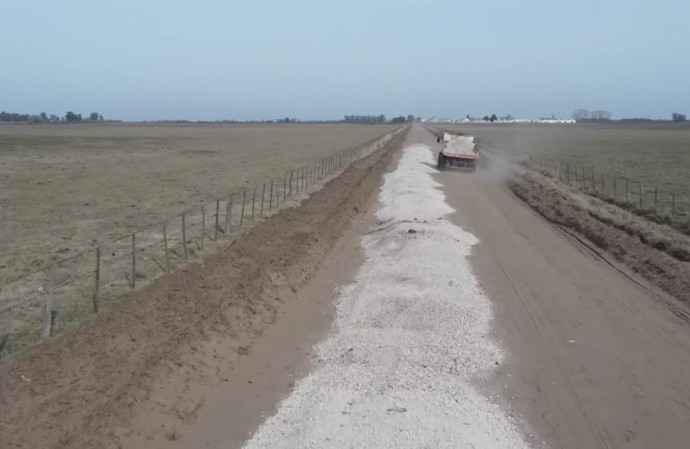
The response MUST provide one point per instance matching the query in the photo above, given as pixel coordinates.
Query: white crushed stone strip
(411, 333)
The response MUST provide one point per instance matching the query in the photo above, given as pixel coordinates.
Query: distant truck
(459, 150)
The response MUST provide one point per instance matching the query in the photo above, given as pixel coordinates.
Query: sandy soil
(599, 358)
(185, 330)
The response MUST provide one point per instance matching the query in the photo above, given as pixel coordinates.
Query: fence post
(97, 287)
(640, 185)
(614, 187)
(165, 243)
(203, 226)
(254, 202)
(215, 232)
(603, 190)
(285, 187)
(48, 289)
(656, 192)
(184, 236)
(263, 194)
(673, 205)
(244, 200)
(291, 175)
(270, 198)
(228, 215)
(134, 260)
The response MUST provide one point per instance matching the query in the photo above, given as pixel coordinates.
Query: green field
(653, 155)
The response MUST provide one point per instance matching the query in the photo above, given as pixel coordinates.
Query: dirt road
(457, 317)
(597, 359)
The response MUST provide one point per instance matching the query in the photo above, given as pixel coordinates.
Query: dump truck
(459, 150)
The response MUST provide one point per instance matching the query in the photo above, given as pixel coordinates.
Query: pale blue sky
(208, 59)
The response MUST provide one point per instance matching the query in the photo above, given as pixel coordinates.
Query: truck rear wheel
(441, 161)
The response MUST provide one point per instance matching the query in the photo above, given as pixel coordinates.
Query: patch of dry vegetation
(659, 236)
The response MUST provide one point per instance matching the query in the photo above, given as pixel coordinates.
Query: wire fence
(647, 200)
(44, 302)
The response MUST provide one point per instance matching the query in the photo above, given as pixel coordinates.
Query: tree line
(379, 119)
(52, 118)
(584, 115)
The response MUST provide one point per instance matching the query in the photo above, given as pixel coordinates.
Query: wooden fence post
(263, 194)
(228, 215)
(48, 290)
(134, 260)
(284, 187)
(165, 243)
(244, 200)
(254, 201)
(203, 226)
(656, 192)
(184, 235)
(673, 205)
(215, 232)
(97, 287)
(640, 185)
(614, 188)
(270, 198)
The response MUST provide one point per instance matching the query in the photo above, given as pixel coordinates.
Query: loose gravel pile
(411, 336)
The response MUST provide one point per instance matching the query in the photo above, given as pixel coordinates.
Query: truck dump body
(458, 150)
(461, 146)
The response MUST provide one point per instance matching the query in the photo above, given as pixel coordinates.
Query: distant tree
(93, 116)
(44, 116)
(493, 118)
(600, 115)
(580, 114)
(54, 118)
(400, 119)
(35, 119)
(467, 116)
(679, 117)
(509, 117)
(71, 117)
(486, 118)
(410, 118)
(100, 118)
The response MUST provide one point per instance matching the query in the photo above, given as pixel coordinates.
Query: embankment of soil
(561, 206)
(74, 391)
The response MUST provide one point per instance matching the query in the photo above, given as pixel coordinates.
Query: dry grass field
(67, 189)
(64, 189)
(654, 155)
